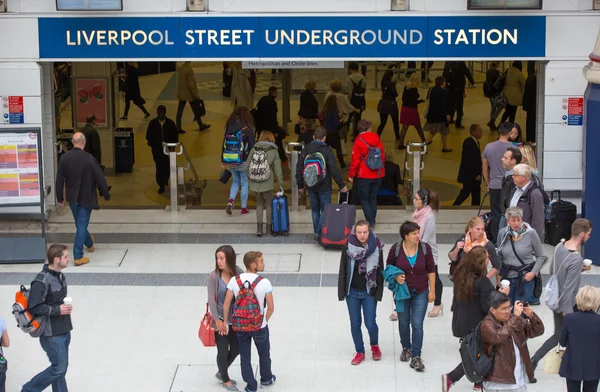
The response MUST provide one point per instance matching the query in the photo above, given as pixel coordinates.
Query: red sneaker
(446, 383)
(358, 358)
(376, 353)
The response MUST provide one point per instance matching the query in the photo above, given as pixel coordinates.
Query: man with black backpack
(47, 299)
(316, 167)
(504, 336)
(253, 294)
(356, 88)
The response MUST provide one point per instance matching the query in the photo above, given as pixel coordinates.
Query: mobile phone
(525, 304)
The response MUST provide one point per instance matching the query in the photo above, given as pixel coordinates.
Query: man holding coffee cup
(48, 298)
(567, 266)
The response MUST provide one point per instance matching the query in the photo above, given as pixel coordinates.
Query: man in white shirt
(263, 290)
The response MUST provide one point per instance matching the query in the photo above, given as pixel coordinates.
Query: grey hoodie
(527, 247)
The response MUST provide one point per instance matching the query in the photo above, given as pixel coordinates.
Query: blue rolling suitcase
(281, 215)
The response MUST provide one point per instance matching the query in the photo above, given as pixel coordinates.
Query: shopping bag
(552, 360)
(206, 333)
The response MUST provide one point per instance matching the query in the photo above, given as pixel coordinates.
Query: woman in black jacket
(470, 303)
(133, 92)
(309, 106)
(360, 283)
(438, 115)
(409, 115)
(387, 105)
(581, 336)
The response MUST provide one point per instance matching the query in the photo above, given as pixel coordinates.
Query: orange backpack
(25, 320)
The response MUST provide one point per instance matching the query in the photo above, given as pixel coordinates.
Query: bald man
(92, 138)
(80, 174)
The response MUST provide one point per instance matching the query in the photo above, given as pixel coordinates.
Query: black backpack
(476, 363)
(357, 98)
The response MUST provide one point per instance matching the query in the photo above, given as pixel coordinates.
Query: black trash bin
(124, 150)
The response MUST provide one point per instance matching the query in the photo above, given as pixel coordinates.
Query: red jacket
(358, 166)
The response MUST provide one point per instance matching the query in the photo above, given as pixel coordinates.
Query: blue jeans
(263, 346)
(82, 235)
(318, 200)
(413, 316)
(57, 349)
(528, 289)
(367, 192)
(239, 178)
(357, 300)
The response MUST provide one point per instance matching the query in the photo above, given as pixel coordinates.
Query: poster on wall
(19, 168)
(505, 4)
(90, 98)
(572, 111)
(89, 5)
(11, 110)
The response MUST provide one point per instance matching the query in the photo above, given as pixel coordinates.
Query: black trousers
(552, 341)
(333, 140)
(473, 189)
(227, 352)
(195, 105)
(163, 169)
(128, 105)
(530, 126)
(588, 386)
(457, 103)
(383, 121)
(439, 287)
(510, 113)
(412, 67)
(495, 196)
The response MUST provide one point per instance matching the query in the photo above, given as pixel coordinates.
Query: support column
(591, 146)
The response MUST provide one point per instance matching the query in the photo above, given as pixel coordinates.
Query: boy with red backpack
(252, 295)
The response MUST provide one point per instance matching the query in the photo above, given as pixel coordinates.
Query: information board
(572, 111)
(89, 5)
(505, 4)
(12, 110)
(19, 168)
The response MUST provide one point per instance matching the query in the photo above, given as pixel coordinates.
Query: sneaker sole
(229, 209)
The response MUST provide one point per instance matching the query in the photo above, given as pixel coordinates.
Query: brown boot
(91, 248)
(259, 229)
(82, 261)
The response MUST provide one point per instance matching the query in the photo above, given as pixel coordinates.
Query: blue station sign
(297, 37)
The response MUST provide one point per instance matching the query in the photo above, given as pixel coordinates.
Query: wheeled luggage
(563, 214)
(281, 215)
(338, 220)
(486, 217)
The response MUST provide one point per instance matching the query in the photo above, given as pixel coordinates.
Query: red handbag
(206, 333)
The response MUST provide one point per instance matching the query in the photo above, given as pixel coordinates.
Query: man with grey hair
(81, 174)
(529, 198)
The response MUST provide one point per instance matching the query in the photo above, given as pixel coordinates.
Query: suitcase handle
(552, 195)
(347, 194)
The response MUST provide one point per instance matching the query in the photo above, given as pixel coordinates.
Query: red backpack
(246, 309)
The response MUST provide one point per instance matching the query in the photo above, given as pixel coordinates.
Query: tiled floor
(139, 189)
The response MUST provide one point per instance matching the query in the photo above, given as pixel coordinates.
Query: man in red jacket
(367, 168)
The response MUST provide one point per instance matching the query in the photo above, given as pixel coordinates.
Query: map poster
(19, 168)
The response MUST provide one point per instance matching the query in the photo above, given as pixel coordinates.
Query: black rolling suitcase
(338, 220)
(563, 214)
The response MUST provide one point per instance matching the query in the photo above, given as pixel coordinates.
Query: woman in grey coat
(225, 338)
(521, 256)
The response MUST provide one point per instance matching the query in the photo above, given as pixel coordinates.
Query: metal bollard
(416, 150)
(170, 149)
(293, 149)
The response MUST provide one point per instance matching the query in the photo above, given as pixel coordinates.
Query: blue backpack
(374, 159)
(234, 146)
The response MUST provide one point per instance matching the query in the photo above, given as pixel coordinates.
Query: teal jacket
(400, 291)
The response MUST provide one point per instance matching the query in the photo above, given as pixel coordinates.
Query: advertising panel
(90, 98)
(19, 168)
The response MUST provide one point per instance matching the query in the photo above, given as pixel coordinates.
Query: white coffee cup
(587, 262)
(68, 301)
(504, 284)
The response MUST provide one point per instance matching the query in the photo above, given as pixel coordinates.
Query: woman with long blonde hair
(409, 114)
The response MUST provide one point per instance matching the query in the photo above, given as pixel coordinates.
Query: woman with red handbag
(225, 338)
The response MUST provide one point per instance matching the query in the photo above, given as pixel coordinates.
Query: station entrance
(201, 160)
